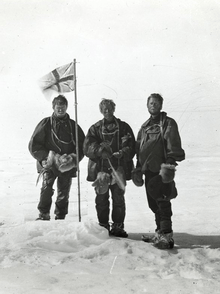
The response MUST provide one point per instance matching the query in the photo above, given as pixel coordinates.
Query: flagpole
(77, 142)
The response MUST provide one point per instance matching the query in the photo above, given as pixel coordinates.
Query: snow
(79, 257)
(125, 50)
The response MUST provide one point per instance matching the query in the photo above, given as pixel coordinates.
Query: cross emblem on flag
(60, 79)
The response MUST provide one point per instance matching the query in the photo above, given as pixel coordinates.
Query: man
(53, 145)
(110, 146)
(158, 150)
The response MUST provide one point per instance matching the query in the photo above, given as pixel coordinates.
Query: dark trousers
(47, 191)
(161, 208)
(118, 205)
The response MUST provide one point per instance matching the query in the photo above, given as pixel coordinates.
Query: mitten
(49, 164)
(102, 183)
(137, 177)
(167, 172)
(160, 190)
(49, 161)
(67, 162)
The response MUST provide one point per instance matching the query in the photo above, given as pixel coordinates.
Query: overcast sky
(124, 50)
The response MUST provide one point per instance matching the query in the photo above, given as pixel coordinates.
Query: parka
(122, 140)
(57, 135)
(158, 143)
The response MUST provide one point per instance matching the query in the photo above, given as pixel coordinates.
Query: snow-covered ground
(79, 257)
(124, 50)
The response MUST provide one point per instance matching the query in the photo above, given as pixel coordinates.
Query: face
(154, 106)
(108, 112)
(60, 110)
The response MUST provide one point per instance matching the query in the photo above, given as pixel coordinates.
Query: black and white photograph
(110, 147)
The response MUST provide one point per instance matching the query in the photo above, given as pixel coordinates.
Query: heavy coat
(57, 135)
(158, 143)
(95, 138)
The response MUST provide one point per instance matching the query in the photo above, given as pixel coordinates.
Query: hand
(104, 151)
(118, 154)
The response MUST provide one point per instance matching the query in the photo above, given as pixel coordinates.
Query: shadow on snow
(184, 240)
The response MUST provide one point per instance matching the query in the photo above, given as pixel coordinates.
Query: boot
(163, 240)
(44, 216)
(118, 230)
(60, 216)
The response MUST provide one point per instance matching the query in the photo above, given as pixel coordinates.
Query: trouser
(118, 205)
(161, 208)
(47, 191)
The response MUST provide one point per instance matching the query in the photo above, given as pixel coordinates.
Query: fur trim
(167, 172)
(58, 163)
(66, 162)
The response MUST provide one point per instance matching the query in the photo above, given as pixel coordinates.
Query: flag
(59, 80)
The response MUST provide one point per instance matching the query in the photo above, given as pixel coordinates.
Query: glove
(167, 172)
(137, 177)
(102, 183)
(118, 154)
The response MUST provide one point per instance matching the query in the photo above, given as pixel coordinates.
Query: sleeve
(128, 143)
(137, 147)
(81, 137)
(36, 145)
(173, 143)
(91, 146)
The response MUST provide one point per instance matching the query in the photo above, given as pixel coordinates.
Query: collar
(61, 120)
(161, 117)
